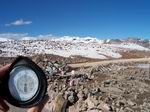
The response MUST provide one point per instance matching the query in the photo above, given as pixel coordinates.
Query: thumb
(3, 106)
(3, 70)
(39, 107)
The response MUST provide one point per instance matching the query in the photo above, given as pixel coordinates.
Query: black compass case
(41, 92)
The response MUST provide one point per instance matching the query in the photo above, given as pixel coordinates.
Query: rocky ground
(122, 87)
(109, 87)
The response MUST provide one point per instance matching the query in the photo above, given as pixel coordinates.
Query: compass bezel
(26, 62)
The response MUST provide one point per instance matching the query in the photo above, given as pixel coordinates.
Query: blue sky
(95, 18)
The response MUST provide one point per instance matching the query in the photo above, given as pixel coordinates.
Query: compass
(25, 85)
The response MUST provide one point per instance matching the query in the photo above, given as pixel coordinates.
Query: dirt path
(88, 64)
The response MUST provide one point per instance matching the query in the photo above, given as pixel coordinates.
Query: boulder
(60, 104)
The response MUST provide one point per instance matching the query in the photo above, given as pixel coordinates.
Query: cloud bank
(13, 35)
(26, 36)
(19, 23)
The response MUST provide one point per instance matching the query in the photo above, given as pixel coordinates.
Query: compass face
(23, 83)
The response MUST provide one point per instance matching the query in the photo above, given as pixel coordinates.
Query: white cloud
(19, 23)
(26, 36)
(13, 35)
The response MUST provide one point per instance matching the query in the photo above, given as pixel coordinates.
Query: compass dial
(23, 83)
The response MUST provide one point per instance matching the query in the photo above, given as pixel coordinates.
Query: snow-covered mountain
(28, 38)
(4, 39)
(68, 46)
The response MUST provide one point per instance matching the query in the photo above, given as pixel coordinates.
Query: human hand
(39, 107)
(3, 106)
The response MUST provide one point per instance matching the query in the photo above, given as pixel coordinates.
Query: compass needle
(25, 88)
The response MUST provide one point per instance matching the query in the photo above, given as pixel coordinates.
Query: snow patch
(66, 46)
(4, 39)
(28, 38)
(130, 46)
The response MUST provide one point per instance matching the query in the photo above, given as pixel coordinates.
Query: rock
(92, 77)
(91, 102)
(73, 109)
(131, 103)
(105, 107)
(72, 72)
(71, 95)
(121, 92)
(49, 70)
(60, 104)
(112, 90)
(73, 82)
(50, 106)
(105, 84)
(121, 103)
(127, 109)
(82, 87)
(94, 110)
(71, 99)
(52, 94)
(82, 106)
(96, 91)
(81, 95)
(86, 92)
(79, 106)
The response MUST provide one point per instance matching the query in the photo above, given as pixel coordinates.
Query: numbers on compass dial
(23, 83)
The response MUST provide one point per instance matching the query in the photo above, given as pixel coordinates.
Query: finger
(3, 70)
(33, 109)
(39, 107)
(3, 106)
(45, 100)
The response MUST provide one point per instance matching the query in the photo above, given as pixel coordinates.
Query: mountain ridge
(66, 47)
